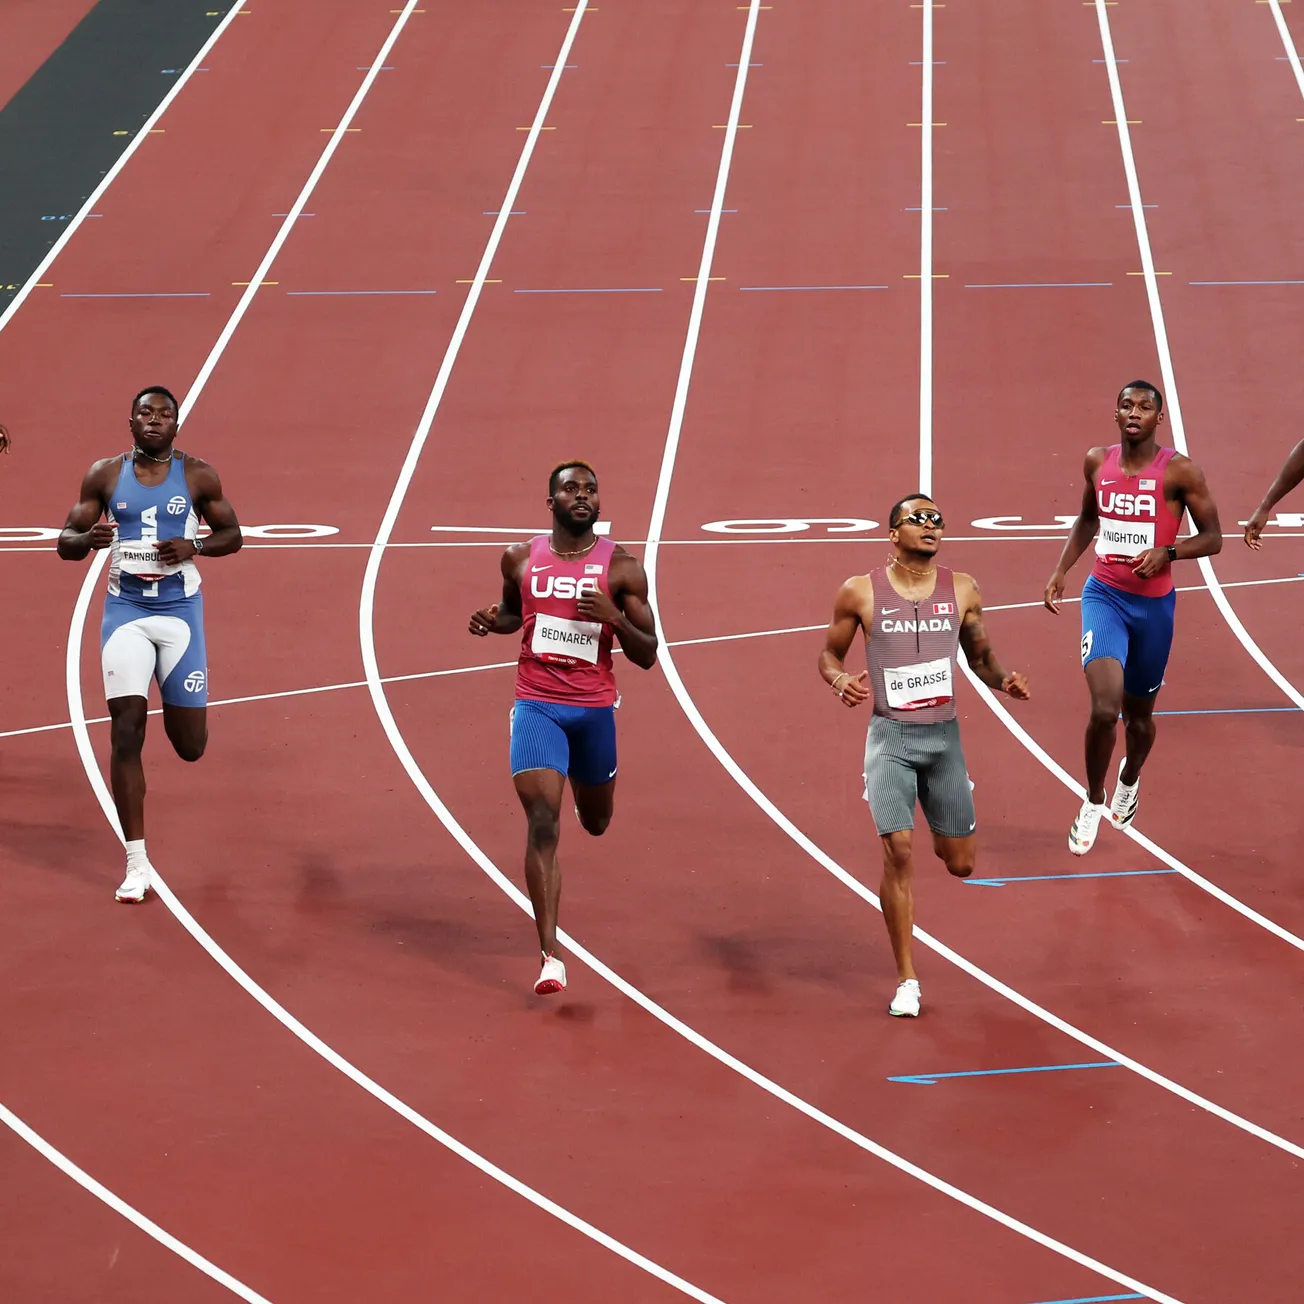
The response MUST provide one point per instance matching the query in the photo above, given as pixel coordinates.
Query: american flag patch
(943, 608)
(121, 507)
(593, 570)
(1147, 484)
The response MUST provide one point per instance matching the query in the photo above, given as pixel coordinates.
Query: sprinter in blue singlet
(152, 500)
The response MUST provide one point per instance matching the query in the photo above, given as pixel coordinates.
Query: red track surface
(301, 845)
(30, 31)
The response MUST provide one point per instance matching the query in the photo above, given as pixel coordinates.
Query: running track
(314, 861)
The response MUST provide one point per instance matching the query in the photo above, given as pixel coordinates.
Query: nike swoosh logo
(973, 826)
(887, 611)
(539, 568)
(1105, 482)
(612, 775)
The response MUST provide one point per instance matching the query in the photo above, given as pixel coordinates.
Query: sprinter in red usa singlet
(570, 593)
(1132, 504)
(916, 615)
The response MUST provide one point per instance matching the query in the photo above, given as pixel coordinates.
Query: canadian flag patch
(593, 570)
(943, 608)
(1148, 484)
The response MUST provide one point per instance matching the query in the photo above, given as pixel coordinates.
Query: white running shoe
(552, 978)
(1122, 810)
(135, 885)
(905, 1004)
(1082, 836)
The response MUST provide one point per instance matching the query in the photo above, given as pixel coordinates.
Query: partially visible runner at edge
(151, 500)
(915, 614)
(1290, 475)
(1132, 504)
(571, 593)
(4, 440)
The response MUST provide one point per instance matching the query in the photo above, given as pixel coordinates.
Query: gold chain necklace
(579, 552)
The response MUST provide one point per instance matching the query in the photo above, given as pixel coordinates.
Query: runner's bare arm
(1290, 475)
(627, 610)
(4, 440)
(504, 616)
(854, 597)
(1196, 498)
(977, 646)
(84, 530)
(214, 511)
(1082, 533)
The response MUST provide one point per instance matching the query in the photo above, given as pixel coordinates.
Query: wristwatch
(198, 545)
(1172, 552)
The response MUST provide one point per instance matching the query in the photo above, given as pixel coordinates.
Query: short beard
(571, 525)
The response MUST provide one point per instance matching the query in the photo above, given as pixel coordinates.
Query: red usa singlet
(1134, 516)
(564, 658)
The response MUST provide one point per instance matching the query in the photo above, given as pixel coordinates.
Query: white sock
(136, 857)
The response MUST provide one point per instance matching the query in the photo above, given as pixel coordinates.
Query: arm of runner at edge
(504, 616)
(4, 440)
(977, 647)
(627, 610)
(854, 597)
(1196, 499)
(214, 510)
(83, 529)
(1082, 533)
(1290, 475)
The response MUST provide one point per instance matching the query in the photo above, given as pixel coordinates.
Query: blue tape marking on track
(1042, 878)
(812, 287)
(1245, 282)
(1091, 1299)
(1234, 710)
(1129, 205)
(511, 212)
(707, 210)
(200, 294)
(929, 1079)
(1039, 285)
(601, 289)
(321, 292)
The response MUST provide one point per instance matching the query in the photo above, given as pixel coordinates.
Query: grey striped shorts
(924, 762)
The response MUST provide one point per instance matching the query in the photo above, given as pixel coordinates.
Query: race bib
(141, 560)
(556, 639)
(1123, 540)
(914, 688)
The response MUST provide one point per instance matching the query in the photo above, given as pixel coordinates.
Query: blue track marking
(1045, 878)
(929, 1079)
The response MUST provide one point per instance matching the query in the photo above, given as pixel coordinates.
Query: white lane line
(187, 921)
(132, 146)
(50, 549)
(1288, 43)
(509, 665)
(477, 854)
(817, 853)
(1172, 398)
(926, 256)
(120, 1206)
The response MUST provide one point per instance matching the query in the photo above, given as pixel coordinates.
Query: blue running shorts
(164, 643)
(1135, 631)
(578, 741)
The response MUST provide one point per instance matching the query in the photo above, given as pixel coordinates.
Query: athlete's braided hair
(555, 473)
(1142, 384)
(156, 389)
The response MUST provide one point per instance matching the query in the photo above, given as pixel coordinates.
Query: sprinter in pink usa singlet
(1132, 504)
(572, 594)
